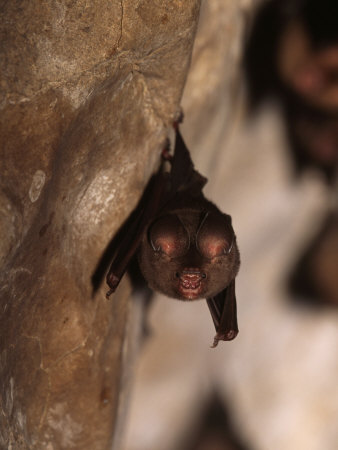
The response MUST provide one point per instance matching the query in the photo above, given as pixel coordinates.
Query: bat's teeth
(191, 282)
(190, 285)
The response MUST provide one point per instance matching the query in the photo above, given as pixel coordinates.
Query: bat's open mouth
(190, 283)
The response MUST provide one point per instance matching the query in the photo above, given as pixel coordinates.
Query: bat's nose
(191, 283)
(191, 278)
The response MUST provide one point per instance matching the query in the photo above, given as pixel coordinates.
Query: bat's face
(189, 254)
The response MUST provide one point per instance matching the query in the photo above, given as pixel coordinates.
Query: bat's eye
(169, 236)
(215, 235)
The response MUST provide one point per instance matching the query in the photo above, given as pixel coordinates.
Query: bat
(185, 246)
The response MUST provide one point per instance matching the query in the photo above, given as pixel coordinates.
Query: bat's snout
(190, 282)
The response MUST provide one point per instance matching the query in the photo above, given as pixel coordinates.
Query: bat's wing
(223, 311)
(148, 207)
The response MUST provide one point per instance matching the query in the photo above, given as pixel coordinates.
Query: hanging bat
(186, 247)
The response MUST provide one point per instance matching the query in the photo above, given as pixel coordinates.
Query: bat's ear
(223, 311)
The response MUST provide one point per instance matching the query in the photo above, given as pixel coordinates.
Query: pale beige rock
(278, 377)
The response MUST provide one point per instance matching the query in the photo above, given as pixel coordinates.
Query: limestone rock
(88, 92)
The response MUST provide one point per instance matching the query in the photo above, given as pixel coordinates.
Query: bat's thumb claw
(113, 282)
(230, 335)
(215, 343)
(227, 336)
(109, 293)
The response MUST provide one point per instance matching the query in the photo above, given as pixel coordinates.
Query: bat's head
(189, 254)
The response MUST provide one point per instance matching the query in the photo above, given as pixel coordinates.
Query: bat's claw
(166, 151)
(215, 343)
(230, 335)
(113, 281)
(179, 119)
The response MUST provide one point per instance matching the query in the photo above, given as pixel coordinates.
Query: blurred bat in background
(186, 247)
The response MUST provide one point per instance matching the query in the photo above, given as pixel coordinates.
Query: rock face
(88, 92)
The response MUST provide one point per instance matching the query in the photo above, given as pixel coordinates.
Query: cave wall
(88, 92)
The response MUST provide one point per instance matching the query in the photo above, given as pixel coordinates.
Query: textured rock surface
(87, 94)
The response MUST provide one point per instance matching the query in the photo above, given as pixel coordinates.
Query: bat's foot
(227, 336)
(166, 152)
(179, 119)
